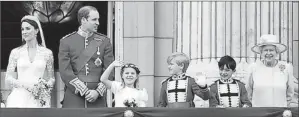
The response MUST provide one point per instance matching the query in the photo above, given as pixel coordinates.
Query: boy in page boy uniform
(227, 91)
(178, 90)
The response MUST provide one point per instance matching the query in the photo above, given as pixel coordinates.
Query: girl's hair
(180, 59)
(34, 24)
(228, 61)
(130, 65)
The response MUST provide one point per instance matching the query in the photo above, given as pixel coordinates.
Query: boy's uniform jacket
(229, 93)
(179, 92)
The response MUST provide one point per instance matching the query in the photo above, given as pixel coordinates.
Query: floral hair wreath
(130, 65)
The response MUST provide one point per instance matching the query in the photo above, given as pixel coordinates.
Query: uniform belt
(180, 105)
(89, 78)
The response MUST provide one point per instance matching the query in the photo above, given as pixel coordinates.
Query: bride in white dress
(30, 71)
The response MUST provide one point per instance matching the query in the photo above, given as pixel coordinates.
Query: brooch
(282, 67)
(98, 62)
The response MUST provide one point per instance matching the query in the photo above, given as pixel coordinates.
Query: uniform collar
(230, 80)
(178, 77)
(84, 33)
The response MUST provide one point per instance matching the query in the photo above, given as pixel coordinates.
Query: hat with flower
(269, 39)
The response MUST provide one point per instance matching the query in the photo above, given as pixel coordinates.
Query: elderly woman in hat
(30, 68)
(270, 82)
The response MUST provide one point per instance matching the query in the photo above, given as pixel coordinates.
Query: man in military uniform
(83, 56)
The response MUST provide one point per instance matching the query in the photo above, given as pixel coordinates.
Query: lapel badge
(98, 62)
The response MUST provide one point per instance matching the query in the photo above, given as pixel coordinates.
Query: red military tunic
(228, 93)
(179, 92)
(82, 59)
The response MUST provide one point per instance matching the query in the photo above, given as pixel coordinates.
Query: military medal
(98, 61)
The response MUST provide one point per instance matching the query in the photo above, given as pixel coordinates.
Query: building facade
(145, 33)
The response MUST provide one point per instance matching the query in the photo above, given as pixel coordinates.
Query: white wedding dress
(123, 93)
(28, 73)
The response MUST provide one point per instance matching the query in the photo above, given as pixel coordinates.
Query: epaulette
(165, 80)
(239, 81)
(69, 35)
(215, 82)
(100, 34)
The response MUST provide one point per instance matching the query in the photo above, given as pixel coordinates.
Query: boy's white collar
(178, 77)
(230, 80)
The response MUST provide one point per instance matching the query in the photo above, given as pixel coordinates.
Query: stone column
(165, 34)
(138, 42)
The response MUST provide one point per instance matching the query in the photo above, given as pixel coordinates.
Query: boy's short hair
(180, 59)
(228, 61)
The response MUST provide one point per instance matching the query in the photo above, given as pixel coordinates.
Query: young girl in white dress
(127, 93)
(30, 71)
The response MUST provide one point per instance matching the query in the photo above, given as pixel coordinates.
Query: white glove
(201, 79)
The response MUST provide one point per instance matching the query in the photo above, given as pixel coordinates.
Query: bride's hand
(22, 84)
(50, 83)
(17, 84)
(30, 87)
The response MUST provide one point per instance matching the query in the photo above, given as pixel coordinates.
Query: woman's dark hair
(130, 65)
(34, 24)
(228, 61)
